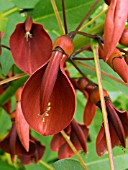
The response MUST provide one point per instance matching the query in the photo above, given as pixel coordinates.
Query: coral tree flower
(30, 45)
(117, 61)
(39, 152)
(118, 120)
(78, 134)
(48, 98)
(118, 124)
(12, 145)
(114, 25)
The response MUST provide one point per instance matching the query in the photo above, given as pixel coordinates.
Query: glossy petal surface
(89, 112)
(22, 127)
(32, 53)
(62, 104)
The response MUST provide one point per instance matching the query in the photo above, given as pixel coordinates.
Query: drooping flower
(118, 124)
(48, 97)
(114, 25)
(118, 120)
(78, 134)
(117, 61)
(39, 152)
(31, 46)
(118, 127)
(12, 145)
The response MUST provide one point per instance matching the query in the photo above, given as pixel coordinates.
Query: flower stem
(94, 19)
(10, 11)
(58, 17)
(103, 106)
(73, 149)
(16, 77)
(46, 165)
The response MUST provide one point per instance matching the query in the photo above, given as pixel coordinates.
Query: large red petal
(32, 53)
(49, 79)
(22, 127)
(62, 104)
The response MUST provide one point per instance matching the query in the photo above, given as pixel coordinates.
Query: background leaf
(68, 164)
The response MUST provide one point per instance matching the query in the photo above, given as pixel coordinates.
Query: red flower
(114, 25)
(31, 46)
(12, 145)
(78, 135)
(39, 152)
(118, 126)
(48, 97)
(117, 61)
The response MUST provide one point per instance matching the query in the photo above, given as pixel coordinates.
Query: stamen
(28, 35)
(43, 119)
(45, 114)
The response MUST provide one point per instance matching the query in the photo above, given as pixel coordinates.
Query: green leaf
(6, 61)
(6, 166)
(3, 23)
(67, 164)
(5, 123)
(35, 167)
(94, 162)
(5, 5)
(25, 3)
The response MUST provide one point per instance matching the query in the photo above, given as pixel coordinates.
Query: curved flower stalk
(78, 134)
(48, 98)
(114, 25)
(31, 46)
(118, 120)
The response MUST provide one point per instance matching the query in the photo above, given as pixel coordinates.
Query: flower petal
(22, 127)
(32, 53)
(114, 25)
(49, 79)
(89, 112)
(61, 110)
(101, 146)
(81, 132)
(57, 141)
(116, 122)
